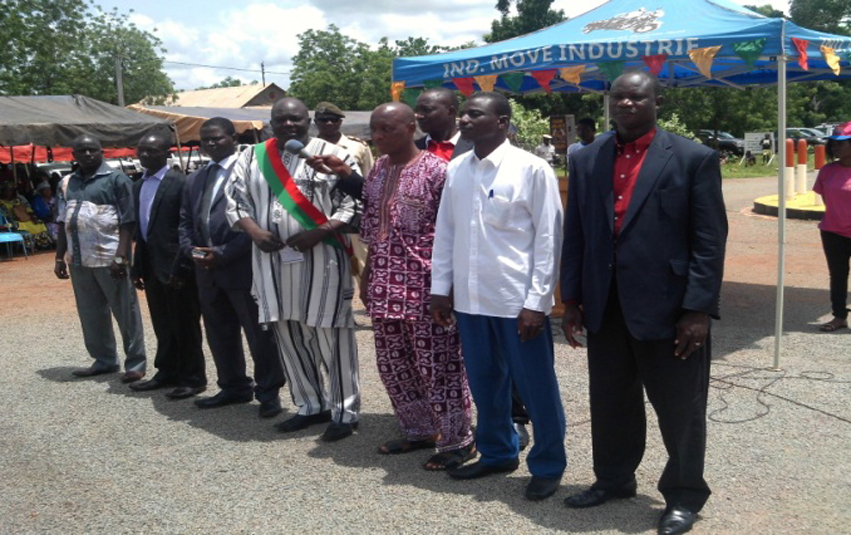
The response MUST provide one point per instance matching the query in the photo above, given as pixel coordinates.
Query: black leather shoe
(522, 435)
(150, 384)
(271, 408)
(676, 519)
(540, 488)
(183, 392)
(301, 421)
(92, 371)
(593, 496)
(338, 431)
(222, 399)
(478, 469)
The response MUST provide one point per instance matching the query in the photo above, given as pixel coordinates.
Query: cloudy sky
(224, 33)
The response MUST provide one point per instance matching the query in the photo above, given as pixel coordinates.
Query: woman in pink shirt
(834, 185)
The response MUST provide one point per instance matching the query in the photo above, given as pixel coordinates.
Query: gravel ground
(92, 456)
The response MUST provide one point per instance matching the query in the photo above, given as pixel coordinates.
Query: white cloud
(245, 35)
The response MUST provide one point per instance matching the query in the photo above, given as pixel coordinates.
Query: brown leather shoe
(131, 377)
(183, 392)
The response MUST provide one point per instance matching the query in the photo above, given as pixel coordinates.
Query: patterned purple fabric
(398, 224)
(419, 362)
(421, 366)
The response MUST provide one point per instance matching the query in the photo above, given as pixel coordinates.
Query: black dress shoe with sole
(478, 469)
(223, 399)
(91, 371)
(540, 488)
(183, 392)
(150, 384)
(593, 496)
(271, 408)
(338, 431)
(302, 421)
(675, 520)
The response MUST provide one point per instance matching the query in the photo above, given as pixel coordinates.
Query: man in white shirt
(546, 150)
(495, 263)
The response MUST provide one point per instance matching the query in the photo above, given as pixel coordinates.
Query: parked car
(812, 138)
(55, 170)
(726, 142)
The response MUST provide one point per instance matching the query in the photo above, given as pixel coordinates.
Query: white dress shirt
(498, 234)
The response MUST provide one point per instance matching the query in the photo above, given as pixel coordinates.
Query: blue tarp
(626, 31)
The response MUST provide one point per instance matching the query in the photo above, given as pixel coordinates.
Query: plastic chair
(9, 236)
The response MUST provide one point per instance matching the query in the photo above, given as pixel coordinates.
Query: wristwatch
(119, 260)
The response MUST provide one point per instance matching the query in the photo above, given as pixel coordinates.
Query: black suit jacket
(460, 148)
(669, 256)
(160, 253)
(233, 249)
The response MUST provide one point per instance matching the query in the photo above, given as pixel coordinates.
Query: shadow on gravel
(361, 452)
(747, 315)
(62, 374)
(236, 423)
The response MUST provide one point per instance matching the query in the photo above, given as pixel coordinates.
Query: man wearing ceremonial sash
(301, 267)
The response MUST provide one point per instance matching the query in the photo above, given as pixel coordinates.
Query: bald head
(88, 152)
(290, 120)
(393, 126)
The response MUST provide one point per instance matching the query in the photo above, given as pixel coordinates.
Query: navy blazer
(669, 255)
(233, 270)
(160, 251)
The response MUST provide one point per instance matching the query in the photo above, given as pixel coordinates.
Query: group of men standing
(463, 233)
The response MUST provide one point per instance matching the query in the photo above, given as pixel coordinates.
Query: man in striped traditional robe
(302, 273)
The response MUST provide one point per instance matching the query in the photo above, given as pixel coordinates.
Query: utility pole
(119, 81)
(263, 73)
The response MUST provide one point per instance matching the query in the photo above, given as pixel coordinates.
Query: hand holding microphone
(327, 163)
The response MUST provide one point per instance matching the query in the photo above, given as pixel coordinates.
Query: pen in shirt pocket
(490, 194)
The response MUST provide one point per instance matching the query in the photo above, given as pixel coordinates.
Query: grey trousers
(97, 293)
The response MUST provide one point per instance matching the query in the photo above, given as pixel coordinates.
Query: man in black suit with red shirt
(641, 269)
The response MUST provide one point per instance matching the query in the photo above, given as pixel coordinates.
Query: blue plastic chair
(9, 237)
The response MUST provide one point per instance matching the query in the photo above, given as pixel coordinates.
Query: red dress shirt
(444, 149)
(629, 158)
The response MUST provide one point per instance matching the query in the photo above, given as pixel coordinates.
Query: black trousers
(225, 312)
(176, 316)
(837, 250)
(619, 366)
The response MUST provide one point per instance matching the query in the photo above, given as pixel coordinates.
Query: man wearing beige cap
(329, 119)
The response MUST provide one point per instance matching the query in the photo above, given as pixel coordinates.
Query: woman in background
(834, 185)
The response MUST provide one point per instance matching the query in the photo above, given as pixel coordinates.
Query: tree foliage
(351, 74)
(530, 124)
(531, 15)
(52, 47)
(228, 81)
(832, 16)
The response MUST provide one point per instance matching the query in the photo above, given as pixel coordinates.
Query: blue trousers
(495, 358)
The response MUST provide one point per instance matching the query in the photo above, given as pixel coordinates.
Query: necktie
(207, 201)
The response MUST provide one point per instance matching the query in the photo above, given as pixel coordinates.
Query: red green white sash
(288, 194)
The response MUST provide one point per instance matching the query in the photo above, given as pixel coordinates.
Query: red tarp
(24, 154)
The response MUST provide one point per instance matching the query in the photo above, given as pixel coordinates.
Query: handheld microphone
(296, 147)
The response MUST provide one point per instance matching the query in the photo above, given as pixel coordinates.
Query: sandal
(395, 447)
(833, 325)
(448, 460)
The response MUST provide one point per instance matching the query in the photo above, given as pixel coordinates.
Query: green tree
(52, 47)
(832, 16)
(227, 82)
(530, 124)
(767, 10)
(531, 15)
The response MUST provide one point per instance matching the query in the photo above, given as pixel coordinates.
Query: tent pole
(781, 207)
(606, 111)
